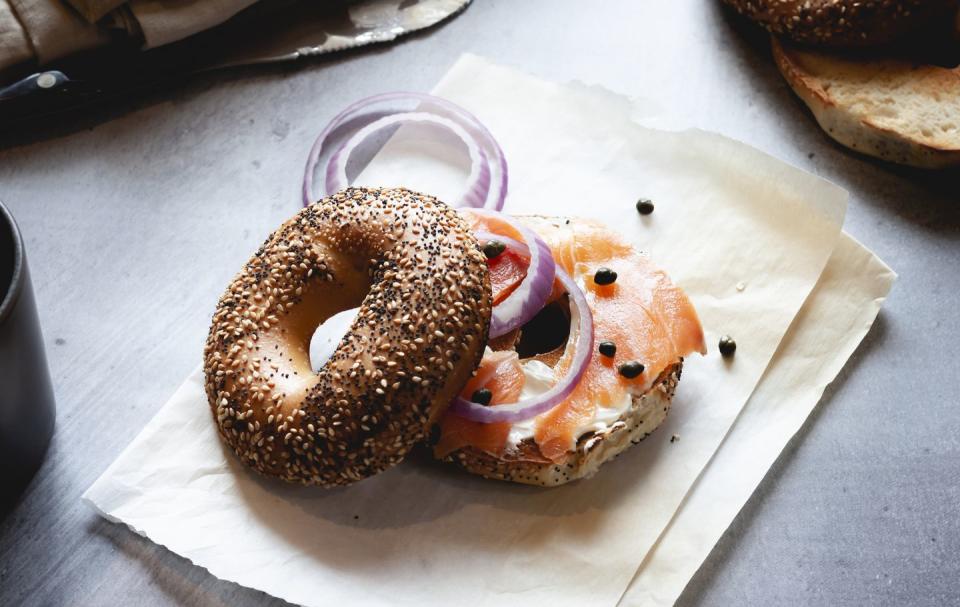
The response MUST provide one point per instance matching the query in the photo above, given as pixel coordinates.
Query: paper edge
(889, 277)
(91, 503)
(89, 494)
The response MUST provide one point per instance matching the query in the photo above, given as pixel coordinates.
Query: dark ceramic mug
(27, 408)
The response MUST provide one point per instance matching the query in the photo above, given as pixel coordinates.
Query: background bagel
(843, 23)
(889, 108)
(416, 271)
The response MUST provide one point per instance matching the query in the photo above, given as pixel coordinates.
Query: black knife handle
(39, 83)
(44, 93)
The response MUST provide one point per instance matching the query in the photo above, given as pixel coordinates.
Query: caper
(493, 248)
(630, 369)
(482, 397)
(605, 276)
(727, 346)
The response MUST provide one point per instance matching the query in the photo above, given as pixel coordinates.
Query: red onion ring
(535, 288)
(581, 321)
(479, 178)
(489, 190)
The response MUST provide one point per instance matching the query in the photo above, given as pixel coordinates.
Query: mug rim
(8, 300)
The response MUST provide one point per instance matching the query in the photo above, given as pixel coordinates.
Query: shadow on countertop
(747, 518)
(180, 581)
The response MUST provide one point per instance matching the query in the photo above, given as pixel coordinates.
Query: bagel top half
(845, 23)
(415, 270)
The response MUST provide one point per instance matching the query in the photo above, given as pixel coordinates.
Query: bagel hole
(328, 336)
(547, 331)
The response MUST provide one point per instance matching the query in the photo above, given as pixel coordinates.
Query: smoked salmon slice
(507, 270)
(500, 373)
(648, 318)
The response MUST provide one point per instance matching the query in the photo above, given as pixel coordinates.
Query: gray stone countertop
(136, 215)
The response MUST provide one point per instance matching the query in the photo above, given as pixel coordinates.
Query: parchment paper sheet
(426, 534)
(828, 329)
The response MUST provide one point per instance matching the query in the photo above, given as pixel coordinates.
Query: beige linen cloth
(36, 32)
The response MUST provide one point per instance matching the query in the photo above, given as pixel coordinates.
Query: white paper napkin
(726, 216)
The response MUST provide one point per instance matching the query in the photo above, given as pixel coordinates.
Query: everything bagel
(843, 23)
(414, 268)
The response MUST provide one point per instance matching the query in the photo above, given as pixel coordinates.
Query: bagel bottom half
(888, 107)
(646, 412)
